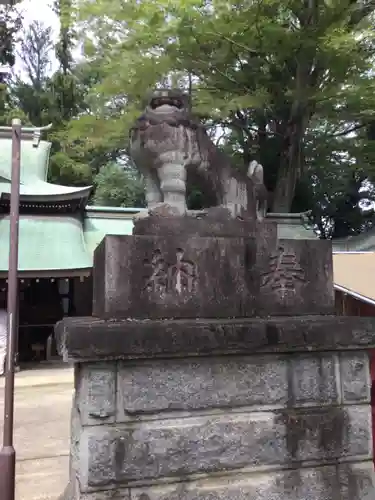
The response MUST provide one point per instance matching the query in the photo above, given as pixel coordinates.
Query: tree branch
(361, 12)
(251, 51)
(349, 130)
(229, 78)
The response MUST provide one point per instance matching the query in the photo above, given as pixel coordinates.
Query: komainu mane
(172, 150)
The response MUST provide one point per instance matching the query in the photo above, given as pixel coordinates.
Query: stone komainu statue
(172, 150)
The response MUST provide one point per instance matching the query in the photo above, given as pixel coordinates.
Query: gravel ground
(42, 416)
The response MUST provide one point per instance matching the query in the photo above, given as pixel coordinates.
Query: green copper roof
(100, 221)
(43, 191)
(34, 170)
(95, 229)
(34, 160)
(49, 243)
(46, 243)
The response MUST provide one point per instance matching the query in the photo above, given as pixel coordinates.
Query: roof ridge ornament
(27, 133)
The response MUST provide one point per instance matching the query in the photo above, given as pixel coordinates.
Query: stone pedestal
(174, 274)
(214, 370)
(215, 410)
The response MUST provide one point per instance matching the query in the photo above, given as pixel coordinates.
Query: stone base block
(72, 492)
(185, 276)
(179, 275)
(87, 339)
(183, 447)
(201, 410)
(216, 222)
(343, 482)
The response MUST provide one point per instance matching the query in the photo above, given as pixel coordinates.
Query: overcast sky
(38, 10)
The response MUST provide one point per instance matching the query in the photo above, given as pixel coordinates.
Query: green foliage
(10, 23)
(66, 170)
(285, 82)
(117, 187)
(266, 71)
(64, 47)
(43, 98)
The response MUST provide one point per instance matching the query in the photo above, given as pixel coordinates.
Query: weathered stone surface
(107, 495)
(357, 481)
(355, 377)
(200, 384)
(328, 433)
(226, 382)
(179, 447)
(111, 494)
(182, 446)
(75, 436)
(315, 380)
(95, 339)
(346, 482)
(297, 279)
(176, 418)
(212, 224)
(97, 392)
(173, 152)
(176, 276)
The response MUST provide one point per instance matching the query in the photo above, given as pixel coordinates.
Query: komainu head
(167, 101)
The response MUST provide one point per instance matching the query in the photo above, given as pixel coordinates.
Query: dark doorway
(40, 308)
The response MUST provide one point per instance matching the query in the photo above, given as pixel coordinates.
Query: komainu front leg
(173, 185)
(153, 194)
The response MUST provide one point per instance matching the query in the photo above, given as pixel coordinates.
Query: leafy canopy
(265, 71)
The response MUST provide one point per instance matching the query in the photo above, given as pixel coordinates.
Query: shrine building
(58, 234)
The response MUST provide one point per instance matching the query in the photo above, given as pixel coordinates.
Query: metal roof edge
(354, 294)
(71, 193)
(350, 252)
(355, 239)
(51, 273)
(107, 209)
(91, 212)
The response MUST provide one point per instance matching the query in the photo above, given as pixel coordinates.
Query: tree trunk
(290, 169)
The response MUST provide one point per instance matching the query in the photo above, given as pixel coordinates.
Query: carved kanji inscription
(179, 276)
(284, 274)
(157, 281)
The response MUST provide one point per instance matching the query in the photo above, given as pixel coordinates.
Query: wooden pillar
(345, 305)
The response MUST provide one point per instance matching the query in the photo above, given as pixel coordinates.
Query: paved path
(42, 417)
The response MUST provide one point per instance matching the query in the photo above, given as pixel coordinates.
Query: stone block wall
(268, 426)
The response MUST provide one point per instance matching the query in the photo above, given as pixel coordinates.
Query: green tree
(337, 182)
(55, 98)
(78, 159)
(28, 91)
(68, 163)
(266, 71)
(117, 187)
(10, 23)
